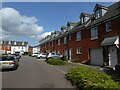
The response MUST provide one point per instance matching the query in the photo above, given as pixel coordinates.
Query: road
(33, 73)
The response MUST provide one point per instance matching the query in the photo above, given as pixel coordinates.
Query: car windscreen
(7, 58)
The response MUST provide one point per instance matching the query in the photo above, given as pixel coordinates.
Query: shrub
(30, 53)
(55, 62)
(117, 67)
(76, 60)
(25, 53)
(90, 79)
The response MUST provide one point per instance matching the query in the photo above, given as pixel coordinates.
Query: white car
(54, 55)
(8, 62)
(35, 54)
(42, 55)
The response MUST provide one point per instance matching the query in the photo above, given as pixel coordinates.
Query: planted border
(55, 62)
(90, 79)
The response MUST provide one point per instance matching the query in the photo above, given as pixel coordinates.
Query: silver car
(42, 56)
(8, 62)
(54, 55)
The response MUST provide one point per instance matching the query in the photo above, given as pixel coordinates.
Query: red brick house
(95, 38)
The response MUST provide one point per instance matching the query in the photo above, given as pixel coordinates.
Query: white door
(112, 55)
(96, 56)
(66, 53)
(70, 54)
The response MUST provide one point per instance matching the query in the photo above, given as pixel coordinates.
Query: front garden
(89, 79)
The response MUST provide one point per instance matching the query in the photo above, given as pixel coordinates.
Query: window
(9, 42)
(69, 36)
(82, 20)
(78, 36)
(8, 47)
(108, 26)
(58, 42)
(94, 33)
(79, 50)
(0, 46)
(52, 43)
(14, 43)
(98, 14)
(65, 40)
(22, 43)
(1, 42)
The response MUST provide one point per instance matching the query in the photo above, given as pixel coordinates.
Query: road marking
(56, 68)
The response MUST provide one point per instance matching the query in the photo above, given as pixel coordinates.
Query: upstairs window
(69, 36)
(98, 14)
(78, 36)
(108, 26)
(79, 50)
(82, 20)
(58, 42)
(14, 43)
(1, 42)
(8, 47)
(65, 40)
(94, 33)
(52, 43)
(9, 42)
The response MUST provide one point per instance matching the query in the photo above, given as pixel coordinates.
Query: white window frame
(14, 43)
(82, 20)
(52, 43)
(78, 36)
(108, 28)
(58, 42)
(65, 40)
(98, 13)
(9, 42)
(79, 50)
(23, 43)
(0, 47)
(94, 33)
(69, 36)
(8, 47)
(1, 42)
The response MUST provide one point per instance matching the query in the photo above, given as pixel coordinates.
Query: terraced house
(93, 39)
(13, 46)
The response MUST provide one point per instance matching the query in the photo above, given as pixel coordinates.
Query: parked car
(54, 55)
(8, 62)
(35, 54)
(17, 56)
(42, 55)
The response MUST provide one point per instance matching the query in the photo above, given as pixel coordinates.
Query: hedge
(55, 62)
(90, 79)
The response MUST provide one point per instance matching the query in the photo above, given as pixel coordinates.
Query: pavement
(34, 73)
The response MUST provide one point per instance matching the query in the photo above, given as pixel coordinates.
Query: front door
(70, 54)
(112, 55)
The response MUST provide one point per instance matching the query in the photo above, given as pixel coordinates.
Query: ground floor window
(79, 50)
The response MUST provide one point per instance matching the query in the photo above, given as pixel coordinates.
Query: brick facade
(86, 44)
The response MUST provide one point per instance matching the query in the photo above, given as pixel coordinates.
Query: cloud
(39, 37)
(15, 24)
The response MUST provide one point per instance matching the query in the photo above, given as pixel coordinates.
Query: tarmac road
(33, 73)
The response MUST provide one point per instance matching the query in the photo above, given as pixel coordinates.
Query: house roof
(84, 14)
(98, 6)
(113, 11)
(71, 23)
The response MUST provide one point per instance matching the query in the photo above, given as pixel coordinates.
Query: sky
(31, 21)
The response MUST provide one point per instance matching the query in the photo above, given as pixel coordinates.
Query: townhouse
(13, 46)
(94, 39)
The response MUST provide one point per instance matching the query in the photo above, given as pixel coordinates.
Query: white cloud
(15, 24)
(39, 37)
